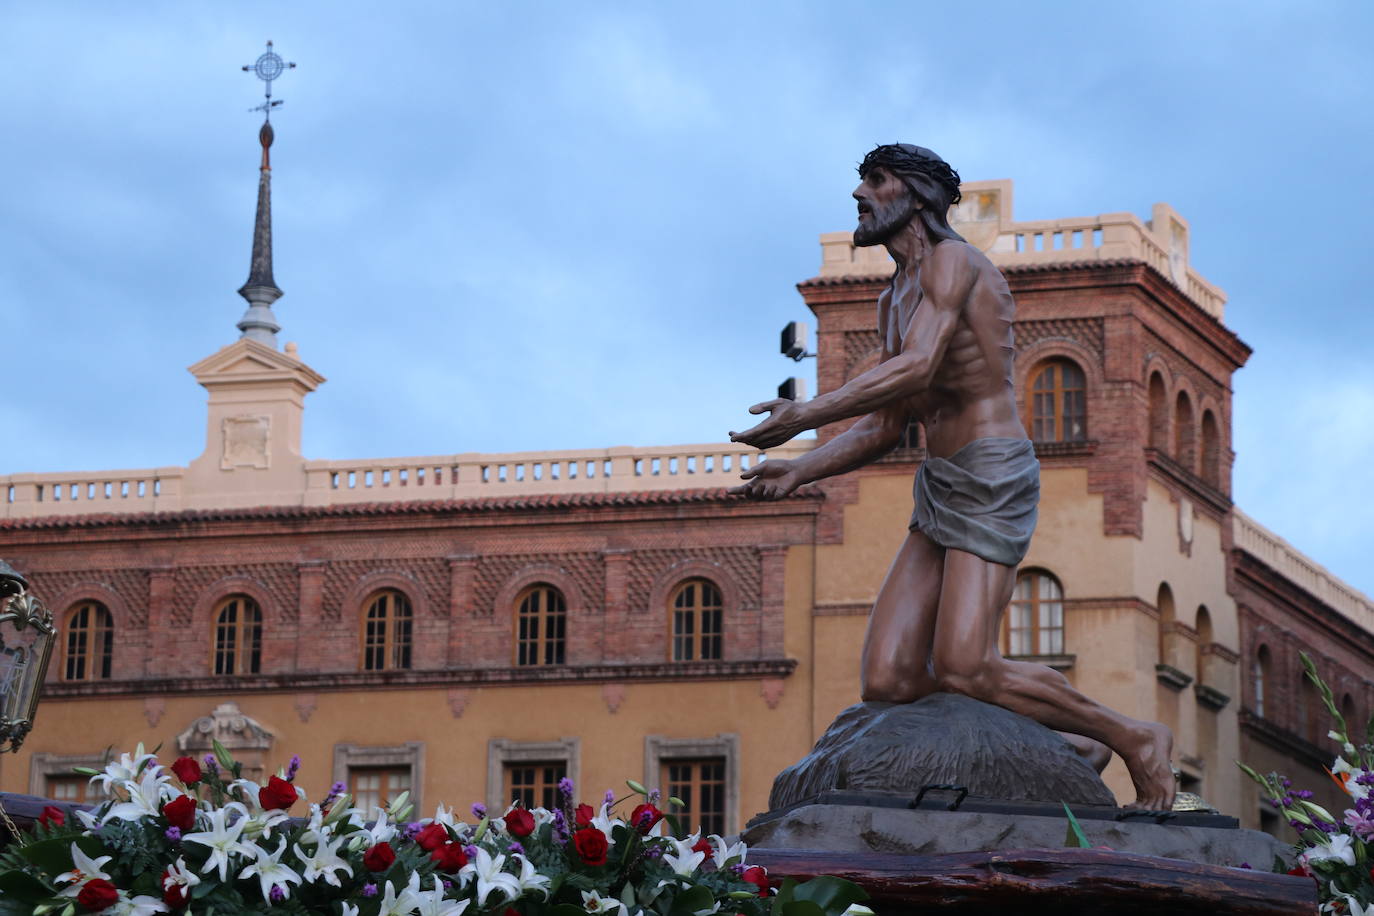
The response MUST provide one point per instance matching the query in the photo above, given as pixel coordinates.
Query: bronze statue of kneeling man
(945, 323)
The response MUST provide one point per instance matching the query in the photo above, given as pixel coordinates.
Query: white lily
(444, 815)
(593, 902)
(380, 831)
(403, 904)
(1339, 846)
(432, 902)
(683, 860)
(178, 873)
(324, 862)
(145, 798)
(723, 852)
(603, 821)
(857, 909)
(141, 905)
(223, 839)
(125, 769)
(348, 909)
(487, 871)
(270, 871)
(315, 830)
(529, 879)
(84, 868)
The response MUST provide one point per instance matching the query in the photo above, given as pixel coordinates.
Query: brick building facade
(474, 625)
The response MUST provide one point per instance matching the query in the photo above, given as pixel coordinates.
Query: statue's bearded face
(886, 205)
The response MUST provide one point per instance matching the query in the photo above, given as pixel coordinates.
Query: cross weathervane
(268, 67)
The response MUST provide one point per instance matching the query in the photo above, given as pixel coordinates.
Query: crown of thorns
(904, 161)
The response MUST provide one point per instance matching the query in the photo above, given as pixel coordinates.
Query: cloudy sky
(510, 226)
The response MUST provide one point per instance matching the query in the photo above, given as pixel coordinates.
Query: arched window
(1168, 634)
(1211, 449)
(238, 636)
(541, 623)
(1204, 646)
(387, 631)
(1159, 413)
(1034, 622)
(1311, 713)
(90, 642)
(1260, 673)
(1352, 725)
(1059, 410)
(696, 610)
(1183, 431)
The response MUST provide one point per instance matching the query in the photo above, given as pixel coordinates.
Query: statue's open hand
(771, 479)
(785, 420)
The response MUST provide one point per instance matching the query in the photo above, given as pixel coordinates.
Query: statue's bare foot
(1147, 758)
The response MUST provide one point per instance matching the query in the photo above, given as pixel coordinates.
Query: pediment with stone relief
(246, 360)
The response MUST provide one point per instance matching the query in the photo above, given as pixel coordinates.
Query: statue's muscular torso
(971, 396)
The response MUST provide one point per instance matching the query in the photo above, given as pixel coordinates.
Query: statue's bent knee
(889, 687)
(978, 680)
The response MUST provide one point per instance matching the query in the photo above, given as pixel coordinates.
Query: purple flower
(334, 792)
(369, 889)
(470, 851)
(653, 852)
(408, 832)
(173, 834)
(1303, 793)
(1299, 826)
(277, 895)
(654, 796)
(565, 786)
(516, 848)
(448, 885)
(211, 764)
(293, 767)
(479, 810)
(1360, 823)
(738, 868)
(1275, 802)
(560, 826)
(1287, 783)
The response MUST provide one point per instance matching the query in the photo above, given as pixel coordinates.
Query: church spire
(258, 323)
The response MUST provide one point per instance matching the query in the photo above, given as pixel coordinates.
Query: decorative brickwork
(64, 587)
(647, 566)
(858, 346)
(587, 570)
(280, 580)
(431, 574)
(1086, 332)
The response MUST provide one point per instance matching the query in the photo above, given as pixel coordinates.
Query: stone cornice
(396, 680)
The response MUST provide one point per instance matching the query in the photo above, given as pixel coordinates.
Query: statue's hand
(785, 420)
(771, 479)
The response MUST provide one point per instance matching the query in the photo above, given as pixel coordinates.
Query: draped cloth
(982, 499)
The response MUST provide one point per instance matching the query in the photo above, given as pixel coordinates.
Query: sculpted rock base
(896, 749)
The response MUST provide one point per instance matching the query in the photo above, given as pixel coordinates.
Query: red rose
(52, 816)
(704, 845)
(187, 770)
(756, 876)
(174, 894)
(379, 857)
(519, 822)
(180, 812)
(450, 857)
(277, 795)
(432, 837)
(644, 817)
(511, 911)
(591, 845)
(97, 894)
(583, 815)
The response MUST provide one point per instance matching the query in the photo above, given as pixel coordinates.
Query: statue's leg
(895, 667)
(966, 660)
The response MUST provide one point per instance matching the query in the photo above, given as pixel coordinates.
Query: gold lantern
(27, 635)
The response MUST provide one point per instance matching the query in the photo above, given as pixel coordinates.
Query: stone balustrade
(1292, 564)
(461, 476)
(91, 492)
(985, 220)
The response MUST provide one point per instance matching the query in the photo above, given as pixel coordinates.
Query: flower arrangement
(198, 837)
(1338, 853)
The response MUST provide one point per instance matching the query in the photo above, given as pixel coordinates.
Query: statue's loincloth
(981, 499)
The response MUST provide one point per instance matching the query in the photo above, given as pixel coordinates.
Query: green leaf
(1075, 837)
(693, 899)
(784, 895)
(54, 856)
(18, 884)
(802, 908)
(675, 826)
(565, 909)
(831, 894)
